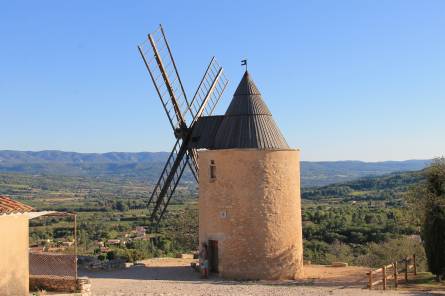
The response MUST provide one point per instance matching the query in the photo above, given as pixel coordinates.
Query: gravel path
(175, 277)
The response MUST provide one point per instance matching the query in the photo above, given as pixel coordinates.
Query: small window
(212, 170)
(223, 214)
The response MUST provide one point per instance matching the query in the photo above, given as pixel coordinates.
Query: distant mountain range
(148, 165)
(52, 156)
(321, 173)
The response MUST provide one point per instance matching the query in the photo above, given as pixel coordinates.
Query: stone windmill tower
(249, 178)
(249, 193)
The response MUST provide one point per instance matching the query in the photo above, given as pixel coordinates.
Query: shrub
(111, 255)
(379, 254)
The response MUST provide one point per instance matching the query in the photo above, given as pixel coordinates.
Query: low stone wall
(57, 284)
(70, 285)
(84, 286)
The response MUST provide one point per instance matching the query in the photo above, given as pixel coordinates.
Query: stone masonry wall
(253, 209)
(52, 284)
(59, 284)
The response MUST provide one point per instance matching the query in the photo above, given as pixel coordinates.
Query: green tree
(433, 231)
(121, 206)
(111, 255)
(428, 200)
(181, 227)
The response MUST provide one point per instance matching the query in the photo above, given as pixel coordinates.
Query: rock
(185, 256)
(339, 264)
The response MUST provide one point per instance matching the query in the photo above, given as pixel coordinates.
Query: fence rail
(385, 273)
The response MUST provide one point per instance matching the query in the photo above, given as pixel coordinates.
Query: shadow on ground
(187, 274)
(163, 273)
(168, 280)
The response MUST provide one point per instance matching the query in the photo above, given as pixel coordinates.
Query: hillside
(330, 172)
(349, 216)
(387, 188)
(146, 166)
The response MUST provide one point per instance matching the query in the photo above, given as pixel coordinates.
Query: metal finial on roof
(244, 63)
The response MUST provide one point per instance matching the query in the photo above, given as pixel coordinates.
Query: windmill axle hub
(182, 132)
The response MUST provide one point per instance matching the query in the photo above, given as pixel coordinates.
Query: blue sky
(344, 79)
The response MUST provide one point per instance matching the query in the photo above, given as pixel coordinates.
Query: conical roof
(248, 122)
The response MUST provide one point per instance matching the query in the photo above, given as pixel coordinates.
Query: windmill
(182, 114)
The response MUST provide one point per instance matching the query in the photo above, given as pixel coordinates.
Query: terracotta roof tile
(10, 206)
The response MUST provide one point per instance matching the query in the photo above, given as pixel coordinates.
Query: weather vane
(244, 63)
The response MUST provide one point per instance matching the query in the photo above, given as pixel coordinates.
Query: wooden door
(213, 256)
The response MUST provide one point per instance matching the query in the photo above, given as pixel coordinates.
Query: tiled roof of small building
(10, 206)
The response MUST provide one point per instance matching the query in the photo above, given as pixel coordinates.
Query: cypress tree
(433, 228)
(434, 239)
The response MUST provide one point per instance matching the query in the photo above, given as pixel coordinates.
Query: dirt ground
(170, 276)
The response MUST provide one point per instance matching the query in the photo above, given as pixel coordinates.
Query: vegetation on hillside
(146, 166)
(349, 222)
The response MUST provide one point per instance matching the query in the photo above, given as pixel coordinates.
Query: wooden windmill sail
(182, 113)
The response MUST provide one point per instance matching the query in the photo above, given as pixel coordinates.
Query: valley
(344, 221)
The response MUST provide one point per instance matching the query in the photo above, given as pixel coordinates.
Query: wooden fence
(392, 271)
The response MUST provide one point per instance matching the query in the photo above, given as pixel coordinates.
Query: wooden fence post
(406, 270)
(384, 277)
(395, 274)
(370, 279)
(414, 264)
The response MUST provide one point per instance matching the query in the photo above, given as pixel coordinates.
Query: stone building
(249, 191)
(23, 268)
(14, 244)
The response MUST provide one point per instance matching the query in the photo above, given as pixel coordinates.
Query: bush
(379, 254)
(339, 251)
(111, 255)
(134, 251)
(132, 255)
(315, 251)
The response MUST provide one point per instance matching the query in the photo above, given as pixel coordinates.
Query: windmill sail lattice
(161, 66)
(209, 91)
(158, 59)
(167, 183)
